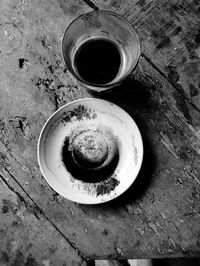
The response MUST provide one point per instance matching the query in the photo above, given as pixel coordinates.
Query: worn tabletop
(159, 216)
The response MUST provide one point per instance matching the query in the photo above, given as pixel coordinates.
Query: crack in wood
(91, 4)
(13, 190)
(39, 210)
(192, 176)
(154, 226)
(6, 146)
(179, 52)
(81, 207)
(164, 217)
(168, 145)
(153, 7)
(139, 19)
(171, 83)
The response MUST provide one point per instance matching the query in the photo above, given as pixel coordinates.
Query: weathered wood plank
(27, 58)
(170, 38)
(26, 237)
(157, 223)
(170, 205)
(159, 215)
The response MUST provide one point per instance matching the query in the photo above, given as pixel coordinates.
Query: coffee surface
(98, 61)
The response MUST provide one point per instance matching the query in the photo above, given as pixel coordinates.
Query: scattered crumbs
(100, 188)
(89, 188)
(106, 186)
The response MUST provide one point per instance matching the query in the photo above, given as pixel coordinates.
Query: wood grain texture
(170, 38)
(30, 60)
(27, 238)
(159, 215)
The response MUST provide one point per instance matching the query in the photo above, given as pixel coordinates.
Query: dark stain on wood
(196, 193)
(5, 209)
(18, 123)
(22, 62)
(7, 206)
(52, 249)
(187, 154)
(191, 37)
(191, 69)
(161, 40)
(191, 46)
(116, 3)
(141, 3)
(104, 232)
(197, 38)
(182, 106)
(47, 83)
(48, 86)
(177, 30)
(4, 258)
(173, 75)
(17, 223)
(19, 258)
(198, 239)
(193, 90)
(164, 43)
(4, 161)
(31, 261)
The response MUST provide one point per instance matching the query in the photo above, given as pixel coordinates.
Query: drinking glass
(107, 26)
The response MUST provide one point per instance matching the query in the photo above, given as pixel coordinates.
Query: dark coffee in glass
(100, 49)
(98, 61)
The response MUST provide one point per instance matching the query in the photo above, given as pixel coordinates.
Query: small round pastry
(90, 149)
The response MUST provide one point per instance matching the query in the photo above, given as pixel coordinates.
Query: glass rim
(120, 17)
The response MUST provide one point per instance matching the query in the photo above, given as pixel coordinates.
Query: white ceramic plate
(90, 114)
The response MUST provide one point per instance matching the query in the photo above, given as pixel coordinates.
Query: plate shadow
(135, 99)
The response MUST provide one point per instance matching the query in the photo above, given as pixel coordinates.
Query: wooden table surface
(159, 216)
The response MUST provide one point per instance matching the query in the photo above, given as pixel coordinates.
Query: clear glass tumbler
(100, 25)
